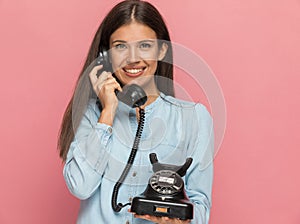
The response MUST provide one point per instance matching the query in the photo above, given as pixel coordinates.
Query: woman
(95, 139)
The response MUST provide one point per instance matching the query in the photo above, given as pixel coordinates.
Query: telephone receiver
(133, 95)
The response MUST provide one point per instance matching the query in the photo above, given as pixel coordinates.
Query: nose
(133, 55)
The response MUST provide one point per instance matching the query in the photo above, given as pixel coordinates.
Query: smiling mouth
(133, 71)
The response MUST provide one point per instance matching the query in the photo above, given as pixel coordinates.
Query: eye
(145, 45)
(120, 46)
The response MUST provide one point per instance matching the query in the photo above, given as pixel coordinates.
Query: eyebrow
(123, 41)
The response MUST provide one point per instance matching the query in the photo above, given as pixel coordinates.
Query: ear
(163, 51)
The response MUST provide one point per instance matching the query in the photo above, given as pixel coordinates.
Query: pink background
(253, 48)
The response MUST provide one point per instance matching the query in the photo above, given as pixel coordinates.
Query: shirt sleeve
(199, 177)
(88, 155)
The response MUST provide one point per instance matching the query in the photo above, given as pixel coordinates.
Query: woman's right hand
(105, 86)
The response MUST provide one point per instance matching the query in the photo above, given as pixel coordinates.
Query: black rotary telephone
(165, 195)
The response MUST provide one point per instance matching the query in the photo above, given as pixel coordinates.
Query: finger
(101, 80)
(107, 87)
(93, 74)
(111, 79)
(118, 86)
(96, 69)
(146, 217)
(93, 78)
(104, 76)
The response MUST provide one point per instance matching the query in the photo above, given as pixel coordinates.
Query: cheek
(117, 61)
(152, 66)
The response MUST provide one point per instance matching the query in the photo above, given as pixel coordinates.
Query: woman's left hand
(162, 220)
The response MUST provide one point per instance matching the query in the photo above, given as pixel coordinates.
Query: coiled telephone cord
(118, 206)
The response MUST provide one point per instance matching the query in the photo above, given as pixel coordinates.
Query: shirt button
(109, 130)
(134, 174)
(127, 222)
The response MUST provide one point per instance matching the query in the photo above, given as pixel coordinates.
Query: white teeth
(133, 71)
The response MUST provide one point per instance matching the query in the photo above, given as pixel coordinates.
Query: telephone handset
(132, 95)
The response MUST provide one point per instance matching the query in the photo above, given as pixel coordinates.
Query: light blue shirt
(173, 129)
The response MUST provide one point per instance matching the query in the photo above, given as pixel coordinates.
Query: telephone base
(181, 209)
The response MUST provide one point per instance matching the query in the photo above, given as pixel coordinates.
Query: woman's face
(134, 54)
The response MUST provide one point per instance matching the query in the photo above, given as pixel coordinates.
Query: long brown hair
(123, 13)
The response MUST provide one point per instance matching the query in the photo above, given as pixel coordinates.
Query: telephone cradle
(165, 194)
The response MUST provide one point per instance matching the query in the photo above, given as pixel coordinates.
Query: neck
(152, 95)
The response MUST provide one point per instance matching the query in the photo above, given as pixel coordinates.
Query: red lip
(135, 71)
